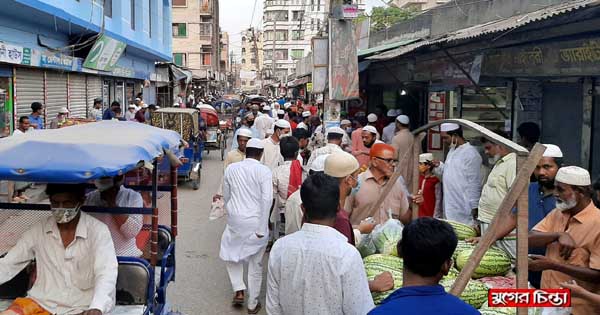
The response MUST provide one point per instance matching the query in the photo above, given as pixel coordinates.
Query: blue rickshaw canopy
(80, 153)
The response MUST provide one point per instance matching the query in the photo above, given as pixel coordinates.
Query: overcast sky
(236, 15)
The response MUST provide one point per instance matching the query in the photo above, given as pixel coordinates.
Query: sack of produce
(386, 237)
(495, 262)
(462, 231)
(366, 247)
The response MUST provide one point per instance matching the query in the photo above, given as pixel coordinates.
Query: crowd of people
(317, 194)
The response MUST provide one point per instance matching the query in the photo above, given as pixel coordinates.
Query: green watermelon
(495, 262)
(475, 293)
(460, 247)
(378, 263)
(462, 231)
(485, 309)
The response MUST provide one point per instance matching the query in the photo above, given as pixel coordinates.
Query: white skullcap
(403, 119)
(176, 105)
(340, 164)
(132, 106)
(336, 130)
(425, 157)
(392, 113)
(282, 123)
(249, 115)
(254, 106)
(255, 143)
(372, 118)
(318, 165)
(370, 129)
(275, 104)
(378, 141)
(157, 107)
(287, 105)
(573, 175)
(266, 107)
(144, 105)
(449, 127)
(306, 114)
(199, 105)
(138, 99)
(552, 151)
(345, 122)
(281, 112)
(63, 110)
(245, 132)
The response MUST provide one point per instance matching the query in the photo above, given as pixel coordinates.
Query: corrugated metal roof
(492, 27)
(384, 47)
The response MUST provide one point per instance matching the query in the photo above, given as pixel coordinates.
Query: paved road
(202, 285)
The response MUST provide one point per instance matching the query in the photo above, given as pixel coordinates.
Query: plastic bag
(366, 247)
(217, 209)
(386, 236)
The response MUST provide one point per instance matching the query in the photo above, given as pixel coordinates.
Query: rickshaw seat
(135, 282)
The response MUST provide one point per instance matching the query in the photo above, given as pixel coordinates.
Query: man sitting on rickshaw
(124, 228)
(75, 260)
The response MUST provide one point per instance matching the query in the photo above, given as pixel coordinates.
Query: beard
(563, 205)
(546, 183)
(369, 145)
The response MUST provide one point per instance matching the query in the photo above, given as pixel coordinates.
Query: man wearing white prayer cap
(293, 209)
(346, 125)
(390, 129)
(239, 153)
(248, 194)
(570, 234)
(272, 156)
(403, 141)
(372, 119)
(264, 122)
(461, 175)
(280, 114)
(305, 119)
(248, 123)
(334, 144)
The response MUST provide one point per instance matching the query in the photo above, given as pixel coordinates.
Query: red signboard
(529, 298)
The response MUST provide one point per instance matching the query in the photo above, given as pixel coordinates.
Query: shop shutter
(29, 88)
(77, 95)
(56, 94)
(94, 90)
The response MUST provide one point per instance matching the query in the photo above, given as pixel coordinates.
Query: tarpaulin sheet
(80, 153)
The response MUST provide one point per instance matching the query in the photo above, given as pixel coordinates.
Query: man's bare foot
(238, 298)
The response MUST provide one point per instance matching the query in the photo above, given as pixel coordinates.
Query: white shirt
(18, 132)
(263, 124)
(327, 149)
(234, 143)
(129, 116)
(69, 280)
(316, 271)
(124, 236)
(281, 180)
(302, 125)
(97, 114)
(293, 213)
(248, 194)
(461, 183)
(388, 133)
(271, 157)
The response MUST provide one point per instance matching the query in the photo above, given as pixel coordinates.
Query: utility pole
(254, 38)
(273, 50)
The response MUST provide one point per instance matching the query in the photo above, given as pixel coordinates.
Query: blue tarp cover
(79, 153)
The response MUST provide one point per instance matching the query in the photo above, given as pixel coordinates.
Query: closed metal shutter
(56, 94)
(94, 90)
(29, 88)
(77, 95)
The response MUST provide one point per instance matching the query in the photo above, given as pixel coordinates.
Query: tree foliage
(384, 17)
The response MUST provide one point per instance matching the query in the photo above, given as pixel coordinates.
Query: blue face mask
(356, 189)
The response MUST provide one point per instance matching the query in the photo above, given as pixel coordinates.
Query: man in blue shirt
(541, 198)
(109, 114)
(35, 118)
(427, 245)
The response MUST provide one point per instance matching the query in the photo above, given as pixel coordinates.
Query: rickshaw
(146, 155)
(185, 122)
(216, 139)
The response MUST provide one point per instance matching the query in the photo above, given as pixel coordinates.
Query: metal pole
(273, 49)
(174, 201)
(154, 232)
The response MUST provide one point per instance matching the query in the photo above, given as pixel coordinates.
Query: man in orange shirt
(572, 239)
(360, 152)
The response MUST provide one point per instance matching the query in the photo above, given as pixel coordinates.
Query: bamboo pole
(416, 150)
(522, 239)
(518, 188)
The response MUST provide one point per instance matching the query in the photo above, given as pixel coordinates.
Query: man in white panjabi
(304, 123)
(272, 156)
(264, 123)
(460, 174)
(248, 194)
(334, 142)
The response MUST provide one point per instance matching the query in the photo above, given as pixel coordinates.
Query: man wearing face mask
(371, 184)
(248, 123)
(334, 142)
(346, 125)
(495, 189)
(124, 228)
(460, 174)
(272, 155)
(570, 235)
(74, 253)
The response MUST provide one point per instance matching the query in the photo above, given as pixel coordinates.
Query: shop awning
(384, 47)
(497, 26)
(180, 73)
(299, 81)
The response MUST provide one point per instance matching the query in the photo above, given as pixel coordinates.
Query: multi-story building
(288, 27)
(196, 39)
(225, 62)
(66, 53)
(418, 5)
(252, 61)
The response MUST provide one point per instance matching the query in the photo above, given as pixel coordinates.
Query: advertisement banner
(247, 75)
(320, 59)
(104, 54)
(56, 61)
(343, 70)
(14, 54)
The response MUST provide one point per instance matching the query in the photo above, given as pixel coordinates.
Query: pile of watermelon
(493, 267)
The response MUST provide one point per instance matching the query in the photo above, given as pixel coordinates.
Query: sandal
(256, 309)
(238, 301)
